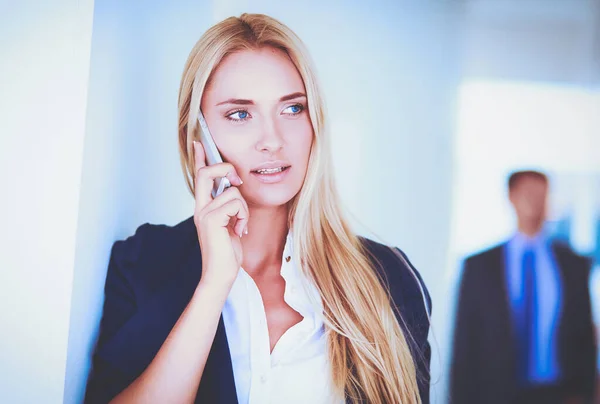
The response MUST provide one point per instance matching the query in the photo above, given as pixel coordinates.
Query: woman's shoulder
(404, 281)
(152, 241)
(151, 248)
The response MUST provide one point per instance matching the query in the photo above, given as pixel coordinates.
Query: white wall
(554, 41)
(43, 88)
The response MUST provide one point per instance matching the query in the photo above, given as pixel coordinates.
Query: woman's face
(256, 110)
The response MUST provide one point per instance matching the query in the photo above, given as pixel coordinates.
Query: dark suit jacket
(151, 278)
(484, 358)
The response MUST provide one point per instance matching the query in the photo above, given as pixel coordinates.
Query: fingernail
(246, 230)
(234, 178)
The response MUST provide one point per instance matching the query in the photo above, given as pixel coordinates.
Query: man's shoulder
(563, 249)
(493, 253)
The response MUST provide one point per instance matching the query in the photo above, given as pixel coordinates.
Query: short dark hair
(516, 176)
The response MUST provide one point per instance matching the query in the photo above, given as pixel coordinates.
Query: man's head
(528, 193)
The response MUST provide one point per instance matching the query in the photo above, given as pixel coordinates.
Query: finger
(204, 180)
(199, 156)
(199, 162)
(240, 225)
(227, 195)
(241, 220)
(231, 209)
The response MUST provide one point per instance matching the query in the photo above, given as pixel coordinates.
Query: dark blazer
(484, 358)
(151, 278)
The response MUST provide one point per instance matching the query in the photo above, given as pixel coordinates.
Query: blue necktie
(527, 340)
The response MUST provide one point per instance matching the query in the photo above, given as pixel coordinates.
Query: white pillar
(45, 51)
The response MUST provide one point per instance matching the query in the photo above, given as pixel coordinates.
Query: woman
(265, 295)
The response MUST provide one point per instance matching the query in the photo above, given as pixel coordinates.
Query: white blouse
(298, 369)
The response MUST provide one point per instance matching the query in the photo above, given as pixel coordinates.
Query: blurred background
(431, 102)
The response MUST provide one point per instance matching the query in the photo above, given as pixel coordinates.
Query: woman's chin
(270, 198)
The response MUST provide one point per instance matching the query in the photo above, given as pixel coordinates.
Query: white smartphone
(212, 156)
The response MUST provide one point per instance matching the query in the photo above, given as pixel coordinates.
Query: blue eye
(241, 115)
(294, 109)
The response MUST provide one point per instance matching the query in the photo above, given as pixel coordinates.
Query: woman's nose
(270, 140)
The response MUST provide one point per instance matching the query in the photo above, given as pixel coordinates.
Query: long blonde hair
(370, 357)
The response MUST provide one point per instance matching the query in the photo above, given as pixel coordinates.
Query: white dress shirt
(298, 369)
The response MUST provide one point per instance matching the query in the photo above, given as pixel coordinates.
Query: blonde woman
(265, 295)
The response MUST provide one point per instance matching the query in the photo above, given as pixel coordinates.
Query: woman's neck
(263, 245)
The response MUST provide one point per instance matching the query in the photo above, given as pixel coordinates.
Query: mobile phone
(212, 155)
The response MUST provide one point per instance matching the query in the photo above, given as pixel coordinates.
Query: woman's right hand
(220, 222)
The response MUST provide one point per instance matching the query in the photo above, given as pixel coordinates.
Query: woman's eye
(294, 109)
(238, 115)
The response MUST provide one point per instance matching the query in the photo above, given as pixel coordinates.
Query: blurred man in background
(524, 331)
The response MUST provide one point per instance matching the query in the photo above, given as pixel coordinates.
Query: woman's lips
(271, 178)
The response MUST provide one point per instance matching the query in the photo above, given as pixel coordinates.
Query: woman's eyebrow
(292, 96)
(236, 101)
(241, 101)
